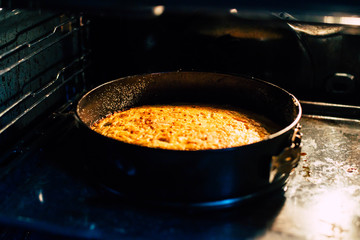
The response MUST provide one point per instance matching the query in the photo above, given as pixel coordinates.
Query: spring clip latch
(288, 159)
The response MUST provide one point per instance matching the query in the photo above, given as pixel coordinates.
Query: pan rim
(278, 133)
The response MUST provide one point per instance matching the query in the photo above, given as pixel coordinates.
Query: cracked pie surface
(182, 127)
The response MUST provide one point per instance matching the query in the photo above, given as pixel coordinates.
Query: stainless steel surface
(323, 194)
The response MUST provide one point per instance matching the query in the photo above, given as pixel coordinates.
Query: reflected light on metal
(158, 10)
(333, 213)
(342, 20)
(233, 11)
(41, 197)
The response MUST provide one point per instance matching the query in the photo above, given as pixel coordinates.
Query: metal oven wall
(307, 47)
(42, 62)
(315, 61)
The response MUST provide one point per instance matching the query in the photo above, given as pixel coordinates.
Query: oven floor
(44, 191)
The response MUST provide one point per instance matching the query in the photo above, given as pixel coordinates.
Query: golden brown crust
(182, 127)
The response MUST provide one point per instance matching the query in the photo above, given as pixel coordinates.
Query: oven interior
(51, 54)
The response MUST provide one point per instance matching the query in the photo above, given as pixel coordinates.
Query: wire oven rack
(46, 57)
